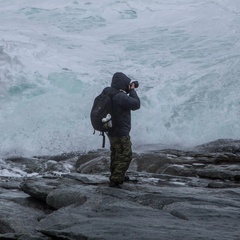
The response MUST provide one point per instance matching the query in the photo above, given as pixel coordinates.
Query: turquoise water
(55, 57)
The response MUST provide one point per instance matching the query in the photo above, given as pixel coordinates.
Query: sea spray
(56, 57)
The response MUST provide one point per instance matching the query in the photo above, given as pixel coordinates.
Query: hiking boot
(114, 184)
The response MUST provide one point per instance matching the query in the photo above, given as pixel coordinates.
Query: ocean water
(56, 56)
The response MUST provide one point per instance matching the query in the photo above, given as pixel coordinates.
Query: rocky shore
(172, 194)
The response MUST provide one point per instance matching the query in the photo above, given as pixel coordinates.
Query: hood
(120, 81)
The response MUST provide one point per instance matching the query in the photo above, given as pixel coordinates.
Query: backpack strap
(111, 92)
(104, 140)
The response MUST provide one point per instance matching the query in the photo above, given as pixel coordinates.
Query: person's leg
(122, 159)
(115, 147)
(112, 156)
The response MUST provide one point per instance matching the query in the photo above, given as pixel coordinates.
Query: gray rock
(173, 194)
(221, 145)
(17, 218)
(168, 214)
(99, 164)
(22, 236)
(38, 189)
(67, 195)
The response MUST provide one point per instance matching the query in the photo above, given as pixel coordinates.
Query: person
(123, 103)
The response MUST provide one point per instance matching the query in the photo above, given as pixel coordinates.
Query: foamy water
(56, 56)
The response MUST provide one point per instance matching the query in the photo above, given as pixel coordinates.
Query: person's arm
(131, 102)
(134, 99)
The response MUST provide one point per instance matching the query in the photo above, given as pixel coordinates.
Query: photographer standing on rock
(120, 143)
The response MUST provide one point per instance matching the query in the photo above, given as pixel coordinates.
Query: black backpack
(102, 106)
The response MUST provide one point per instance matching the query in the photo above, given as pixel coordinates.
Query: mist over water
(56, 56)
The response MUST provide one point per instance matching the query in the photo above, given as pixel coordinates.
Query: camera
(136, 84)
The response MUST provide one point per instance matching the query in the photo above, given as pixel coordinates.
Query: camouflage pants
(121, 156)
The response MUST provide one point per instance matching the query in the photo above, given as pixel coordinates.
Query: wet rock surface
(172, 194)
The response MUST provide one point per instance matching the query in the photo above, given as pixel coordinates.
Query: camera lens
(136, 84)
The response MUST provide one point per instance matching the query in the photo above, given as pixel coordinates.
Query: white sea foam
(10, 170)
(55, 57)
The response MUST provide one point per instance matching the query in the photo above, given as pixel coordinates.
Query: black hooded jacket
(122, 105)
